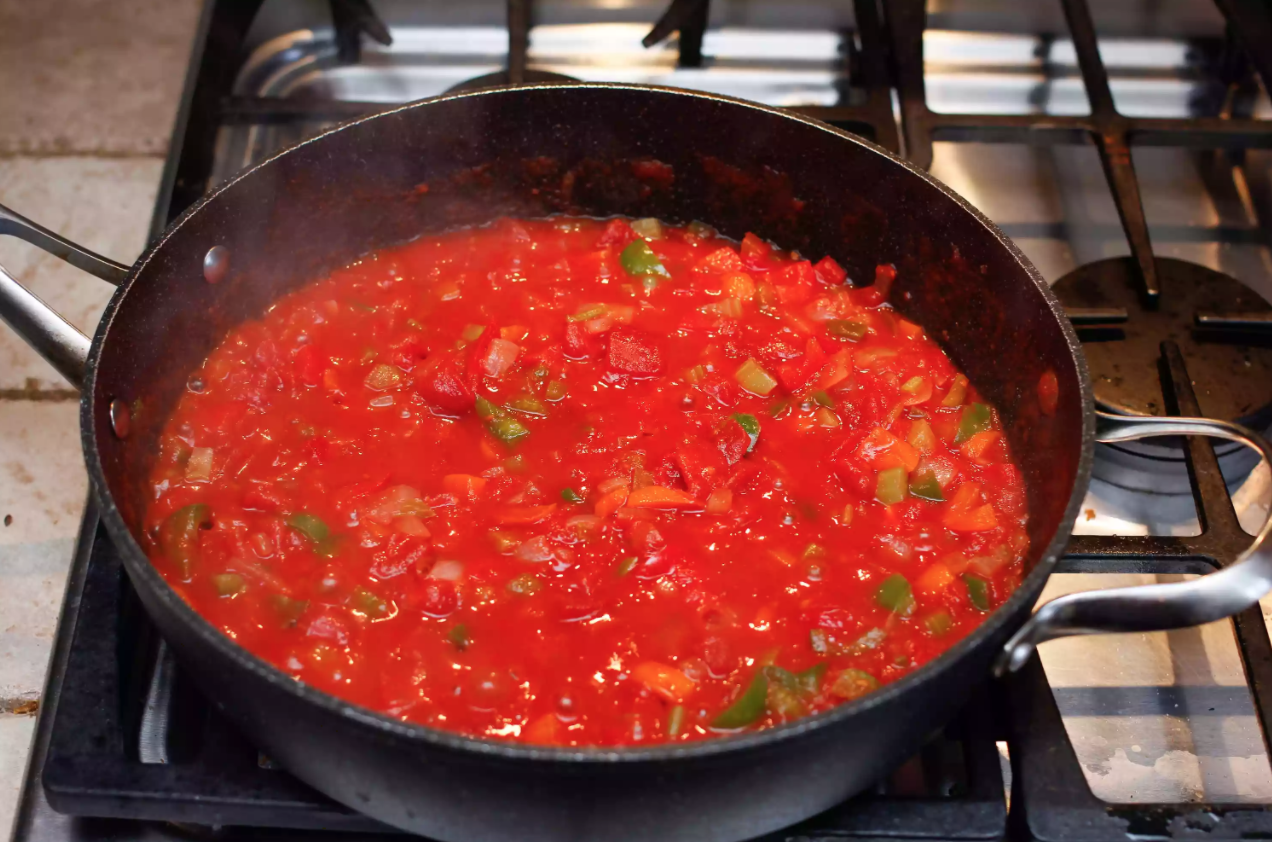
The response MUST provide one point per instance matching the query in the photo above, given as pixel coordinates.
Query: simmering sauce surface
(587, 482)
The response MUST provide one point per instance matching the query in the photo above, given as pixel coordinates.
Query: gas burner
(1231, 366)
(503, 77)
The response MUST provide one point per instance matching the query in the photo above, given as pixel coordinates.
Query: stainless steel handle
(52, 336)
(1214, 596)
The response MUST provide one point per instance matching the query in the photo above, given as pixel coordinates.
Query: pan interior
(594, 151)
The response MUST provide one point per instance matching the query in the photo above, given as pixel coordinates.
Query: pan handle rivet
(216, 264)
(120, 418)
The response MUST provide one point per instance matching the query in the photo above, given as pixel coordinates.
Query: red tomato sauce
(588, 482)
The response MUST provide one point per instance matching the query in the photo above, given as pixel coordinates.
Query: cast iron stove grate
(123, 738)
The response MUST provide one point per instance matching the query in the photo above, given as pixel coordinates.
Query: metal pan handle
(1217, 595)
(52, 336)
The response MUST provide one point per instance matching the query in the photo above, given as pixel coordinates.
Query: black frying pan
(586, 149)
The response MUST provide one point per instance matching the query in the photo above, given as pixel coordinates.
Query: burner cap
(500, 77)
(1232, 379)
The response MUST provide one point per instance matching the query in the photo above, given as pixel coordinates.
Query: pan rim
(139, 566)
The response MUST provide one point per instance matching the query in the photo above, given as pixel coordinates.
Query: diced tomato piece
(702, 469)
(724, 392)
(633, 351)
(723, 259)
(329, 627)
(617, 233)
(309, 364)
(402, 554)
(834, 372)
(799, 273)
(796, 374)
(758, 254)
(796, 283)
(478, 351)
(878, 293)
(829, 272)
(733, 441)
(443, 386)
(851, 470)
(408, 352)
(438, 597)
(264, 497)
(743, 475)
(579, 344)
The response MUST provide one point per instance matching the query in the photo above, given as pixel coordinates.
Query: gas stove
(1120, 145)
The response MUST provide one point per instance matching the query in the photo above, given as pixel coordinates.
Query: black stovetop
(125, 749)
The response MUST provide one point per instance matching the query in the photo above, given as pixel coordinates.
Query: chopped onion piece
(537, 549)
(752, 377)
(719, 501)
(199, 468)
(447, 570)
(500, 357)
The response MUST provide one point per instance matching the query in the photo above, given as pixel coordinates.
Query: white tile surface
(15, 742)
(42, 478)
(89, 94)
(92, 76)
(102, 203)
(34, 578)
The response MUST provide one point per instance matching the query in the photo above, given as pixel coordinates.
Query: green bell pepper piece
(853, 684)
(311, 527)
(925, 487)
(676, 721)
(639, 259)
(228, 584)
(977, 591)
(891, 486)
(975, 419)
(179, 536)
(751, 425)
(894, 594)
(747, 708)
(844, 329)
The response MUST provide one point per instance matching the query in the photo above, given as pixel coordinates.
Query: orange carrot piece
(934, 580)
(463, 486)
(524, 514)
(663, 680)
(979, 519)
(546, 730)
(611, 502)
(975, 447)
(882, 450)
(658, 497)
